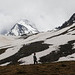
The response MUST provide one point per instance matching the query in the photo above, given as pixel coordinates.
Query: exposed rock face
(68, 23)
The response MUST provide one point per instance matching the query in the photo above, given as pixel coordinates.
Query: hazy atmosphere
(45, 14)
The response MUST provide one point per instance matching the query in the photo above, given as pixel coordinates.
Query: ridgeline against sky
(45, 14)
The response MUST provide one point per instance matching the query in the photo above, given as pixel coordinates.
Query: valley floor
(59, 68)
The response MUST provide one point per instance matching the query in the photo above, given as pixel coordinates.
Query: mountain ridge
(68, 22)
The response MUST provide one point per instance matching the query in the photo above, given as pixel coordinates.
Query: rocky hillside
(49, 47)
(69, 22)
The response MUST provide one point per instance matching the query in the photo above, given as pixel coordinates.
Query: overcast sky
(46, 14)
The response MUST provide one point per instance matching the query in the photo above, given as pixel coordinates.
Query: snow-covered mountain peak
(23, 27)
(26, 22)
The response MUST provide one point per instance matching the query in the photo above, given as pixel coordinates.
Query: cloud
(46, 14)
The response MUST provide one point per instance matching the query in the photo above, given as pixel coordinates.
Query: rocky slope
(49, 47)
(69, 22)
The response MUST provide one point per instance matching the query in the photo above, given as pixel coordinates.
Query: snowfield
(56, 39)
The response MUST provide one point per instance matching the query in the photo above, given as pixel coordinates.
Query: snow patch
(5, 64)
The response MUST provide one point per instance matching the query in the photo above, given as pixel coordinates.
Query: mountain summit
(24, 27)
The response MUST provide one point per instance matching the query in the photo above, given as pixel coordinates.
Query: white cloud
(46, 14)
